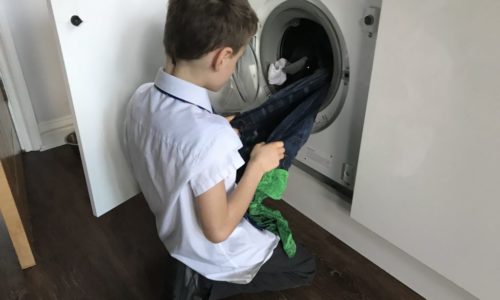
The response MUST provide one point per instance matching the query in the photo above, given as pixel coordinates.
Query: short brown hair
(196, 27)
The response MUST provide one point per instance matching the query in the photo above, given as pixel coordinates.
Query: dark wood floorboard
(119, 255)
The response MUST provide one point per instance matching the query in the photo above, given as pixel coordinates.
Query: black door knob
(369, 20)
(75, 20)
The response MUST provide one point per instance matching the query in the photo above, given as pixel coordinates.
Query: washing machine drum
(306, 42)
(297, 31)
(303, 40)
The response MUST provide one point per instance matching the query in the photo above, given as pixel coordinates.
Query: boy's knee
(306, 268)
(309, 270)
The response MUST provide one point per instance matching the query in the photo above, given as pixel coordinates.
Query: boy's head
(209, 33)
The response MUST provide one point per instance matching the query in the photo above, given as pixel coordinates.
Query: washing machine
(338, 35)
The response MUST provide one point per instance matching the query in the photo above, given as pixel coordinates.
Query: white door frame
(19, 100)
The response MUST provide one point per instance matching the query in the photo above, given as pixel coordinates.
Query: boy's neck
(187, 71)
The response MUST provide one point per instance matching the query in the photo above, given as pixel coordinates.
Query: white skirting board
(54, 132)
(324, 206)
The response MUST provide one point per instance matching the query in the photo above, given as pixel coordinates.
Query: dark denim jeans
(287, 116)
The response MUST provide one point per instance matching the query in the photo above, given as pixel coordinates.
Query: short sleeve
(216, 171)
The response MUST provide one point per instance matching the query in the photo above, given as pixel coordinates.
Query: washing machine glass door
(241, 91)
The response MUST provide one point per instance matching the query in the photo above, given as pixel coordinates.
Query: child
(185, 158)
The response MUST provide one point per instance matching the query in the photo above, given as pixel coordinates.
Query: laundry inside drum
(306, 46)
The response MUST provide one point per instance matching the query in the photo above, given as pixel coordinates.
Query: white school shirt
(178, 149)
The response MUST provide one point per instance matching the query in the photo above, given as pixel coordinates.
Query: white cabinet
(117, 47)
(428, 178)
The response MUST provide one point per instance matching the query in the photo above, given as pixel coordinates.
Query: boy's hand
(218, 215)
(267, 156)
(229, 118)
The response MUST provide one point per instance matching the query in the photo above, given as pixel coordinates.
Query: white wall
(39, 59)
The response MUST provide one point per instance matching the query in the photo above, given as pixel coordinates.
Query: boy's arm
(218, 215)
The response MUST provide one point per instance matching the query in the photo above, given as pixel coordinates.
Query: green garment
(272, 185)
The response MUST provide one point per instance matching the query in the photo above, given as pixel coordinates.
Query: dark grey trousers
(279, 273)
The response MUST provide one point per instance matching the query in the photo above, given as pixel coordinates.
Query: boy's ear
(221, 58)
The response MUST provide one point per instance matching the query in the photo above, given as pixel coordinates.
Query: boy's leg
(279, 273)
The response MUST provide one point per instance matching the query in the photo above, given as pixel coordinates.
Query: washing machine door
(242, 90)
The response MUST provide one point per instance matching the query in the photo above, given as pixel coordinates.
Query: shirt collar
(183, 89)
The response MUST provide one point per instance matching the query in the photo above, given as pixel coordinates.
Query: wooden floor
(119, 255)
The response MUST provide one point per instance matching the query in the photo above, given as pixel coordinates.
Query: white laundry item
(275, 74)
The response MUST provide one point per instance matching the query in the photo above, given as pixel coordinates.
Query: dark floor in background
(119, 256)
